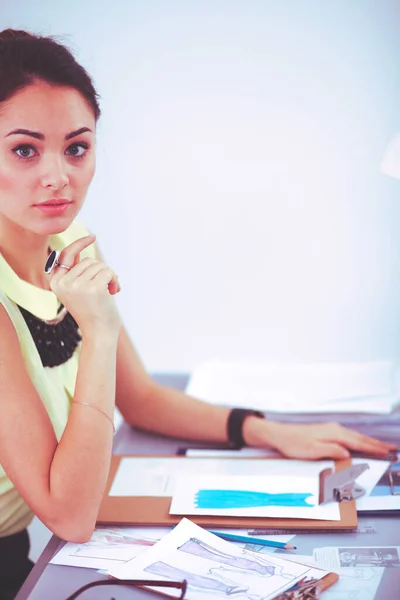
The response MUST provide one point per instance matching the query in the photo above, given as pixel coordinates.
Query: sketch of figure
(258, 586)
(221, 499)
(114, 537)
(199, 548)
(249, 578)
(194, 580)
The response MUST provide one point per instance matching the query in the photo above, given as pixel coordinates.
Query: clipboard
(153, 511)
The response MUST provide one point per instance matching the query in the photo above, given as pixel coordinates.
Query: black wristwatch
(236, 419)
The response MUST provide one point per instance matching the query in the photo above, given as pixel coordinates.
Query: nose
(54, 174)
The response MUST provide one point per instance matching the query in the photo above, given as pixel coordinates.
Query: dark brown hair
(25, 57)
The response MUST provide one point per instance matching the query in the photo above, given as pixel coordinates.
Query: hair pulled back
(25, 58)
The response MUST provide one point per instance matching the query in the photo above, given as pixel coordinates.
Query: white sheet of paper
(378, 503)
(368, 480)
(371, 476)
(154, 476)
(318, 387)
(109, 546)
(213, 567)
(189, 496)
(355, 583)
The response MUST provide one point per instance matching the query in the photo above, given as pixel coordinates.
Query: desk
(57, 582)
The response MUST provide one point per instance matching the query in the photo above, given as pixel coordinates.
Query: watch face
(51, 261)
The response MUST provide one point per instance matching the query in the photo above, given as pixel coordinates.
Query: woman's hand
(319, 440)
(86, 290)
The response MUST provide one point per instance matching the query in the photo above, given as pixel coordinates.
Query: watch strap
(236, 418)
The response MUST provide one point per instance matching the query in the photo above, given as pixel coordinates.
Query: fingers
(104, 277)
(319, 450)
(85, 270)
(366, 444)
(93, 271)
(114, 285)
(357, 441)
(70, 255)
(80, 267)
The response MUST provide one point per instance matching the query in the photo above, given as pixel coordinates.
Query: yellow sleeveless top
(55, 385)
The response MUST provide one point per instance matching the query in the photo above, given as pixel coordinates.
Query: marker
(232, 537)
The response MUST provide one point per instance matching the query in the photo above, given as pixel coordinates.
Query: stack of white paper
(303, 388)
(214, 568)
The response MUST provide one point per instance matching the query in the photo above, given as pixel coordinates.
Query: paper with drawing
(292, 496)
(213, 567)
(110, 546)
(156, 476)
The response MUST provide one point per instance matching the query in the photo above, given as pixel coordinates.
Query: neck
(25, 252)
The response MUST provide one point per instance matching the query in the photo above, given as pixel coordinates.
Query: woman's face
(47, 157)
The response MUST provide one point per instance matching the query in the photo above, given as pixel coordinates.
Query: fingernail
(345, 454)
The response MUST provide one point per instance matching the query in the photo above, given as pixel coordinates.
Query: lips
(54, 202)
(54, 207)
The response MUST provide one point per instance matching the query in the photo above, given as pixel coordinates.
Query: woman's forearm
(80, 466)
(169, 412)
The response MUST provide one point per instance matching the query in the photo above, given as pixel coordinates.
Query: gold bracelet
(96, 408)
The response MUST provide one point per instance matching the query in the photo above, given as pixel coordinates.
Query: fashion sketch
(199, 548)
(221, 499)
(202, 582)
(232, 575)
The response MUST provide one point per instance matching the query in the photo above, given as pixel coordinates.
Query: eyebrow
(40, 136)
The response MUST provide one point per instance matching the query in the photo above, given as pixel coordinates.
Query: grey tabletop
(54, 582)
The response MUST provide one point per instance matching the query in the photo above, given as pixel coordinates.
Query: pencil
(245, 539)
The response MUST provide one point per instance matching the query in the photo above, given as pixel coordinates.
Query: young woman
(65, 360)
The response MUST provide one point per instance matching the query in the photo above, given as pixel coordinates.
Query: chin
(54, 225)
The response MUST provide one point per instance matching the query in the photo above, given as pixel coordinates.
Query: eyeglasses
(303, 590)
(180, 585)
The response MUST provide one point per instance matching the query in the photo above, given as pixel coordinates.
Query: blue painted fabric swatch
(220, 499)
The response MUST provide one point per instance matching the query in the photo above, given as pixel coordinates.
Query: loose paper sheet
(379, 496)
(371, 476)
(154, 476)
(318, 387)
(213, 567)
(110, 546)
(293, 496)
(355, 583)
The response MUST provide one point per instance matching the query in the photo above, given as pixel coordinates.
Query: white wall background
(238, 192)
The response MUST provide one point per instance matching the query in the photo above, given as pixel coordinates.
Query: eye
(78, 149)
(25, 152)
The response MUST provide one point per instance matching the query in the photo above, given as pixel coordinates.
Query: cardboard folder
(154, 510)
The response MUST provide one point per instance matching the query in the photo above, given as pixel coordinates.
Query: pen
(232, 537)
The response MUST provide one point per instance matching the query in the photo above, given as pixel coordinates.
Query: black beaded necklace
(56, 340)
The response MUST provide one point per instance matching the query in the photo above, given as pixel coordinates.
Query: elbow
(77, 533)
(69, 529)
